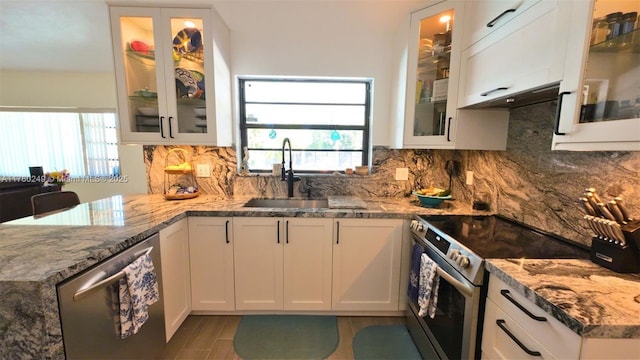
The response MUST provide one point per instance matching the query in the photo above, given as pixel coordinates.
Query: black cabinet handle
(162, 128)
(500, 323)
(337, 232)
(493, 90)
(449, 130)
(495, 20)
(505, 293)
(226, 231)
(286, 231)
(278, 232)
(556, 129)
(170, 132)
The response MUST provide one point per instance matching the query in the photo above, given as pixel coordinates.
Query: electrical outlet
(469, 180)
(203, 170)
(402, 173)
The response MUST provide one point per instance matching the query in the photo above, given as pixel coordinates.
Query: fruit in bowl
(432, 197)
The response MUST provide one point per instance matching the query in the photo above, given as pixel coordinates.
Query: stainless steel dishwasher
(89, 311)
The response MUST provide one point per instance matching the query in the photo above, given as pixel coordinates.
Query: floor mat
(286, 337)
(384, 342)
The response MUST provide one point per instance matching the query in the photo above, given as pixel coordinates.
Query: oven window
(447, 326)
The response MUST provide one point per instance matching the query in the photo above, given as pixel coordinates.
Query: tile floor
(211, 337)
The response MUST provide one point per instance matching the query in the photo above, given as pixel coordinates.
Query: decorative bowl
(431, 201)
(147, 110)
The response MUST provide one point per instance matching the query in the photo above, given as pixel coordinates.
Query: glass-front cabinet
(432, 79)
(429, 60)
(164, 61)
(599, 100)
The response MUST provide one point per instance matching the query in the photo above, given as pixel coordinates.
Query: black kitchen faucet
(290, 178)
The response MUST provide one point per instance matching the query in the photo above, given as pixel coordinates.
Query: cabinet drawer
(497, 343)
(552, 334)
(495, 12)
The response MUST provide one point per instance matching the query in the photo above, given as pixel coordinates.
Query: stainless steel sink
(288, 203)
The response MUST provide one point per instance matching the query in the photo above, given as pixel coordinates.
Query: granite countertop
(593, 301)
(38, 253)
(57, 246)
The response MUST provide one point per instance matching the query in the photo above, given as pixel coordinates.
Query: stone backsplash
(527, 182)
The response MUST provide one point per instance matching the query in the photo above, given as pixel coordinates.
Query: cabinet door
(139, 67)
(366, 264)
(307, 263)
(526, 53)
(432, 76)
(600, 95)
(174, 254)
(258, 263)
(165, 75)
(211, 255)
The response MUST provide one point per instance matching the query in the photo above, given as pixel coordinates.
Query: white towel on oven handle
(428, 287)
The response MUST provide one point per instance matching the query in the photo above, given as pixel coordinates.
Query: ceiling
(74, 35)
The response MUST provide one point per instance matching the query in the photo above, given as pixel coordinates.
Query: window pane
(307, 160)
(84, 144)
(305, 139)
(50, 140)
(305, 114)
(326, 121)
(305, 92)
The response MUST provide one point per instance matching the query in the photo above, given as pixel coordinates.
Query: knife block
(622, 259)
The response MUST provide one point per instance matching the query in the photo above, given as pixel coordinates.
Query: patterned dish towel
(137, 290)
(414, 275)
(428, 290)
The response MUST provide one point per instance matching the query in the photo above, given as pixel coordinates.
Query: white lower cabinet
(366, 264)
(514, 329)
(211, 257)
(549, 336)
(282, 263)
(174, 254)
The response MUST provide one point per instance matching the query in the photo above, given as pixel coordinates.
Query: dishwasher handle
(93, 286)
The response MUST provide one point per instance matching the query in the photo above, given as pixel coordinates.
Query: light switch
(402, 173)
(469, 180)
(203, 170)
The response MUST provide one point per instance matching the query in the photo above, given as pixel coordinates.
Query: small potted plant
(56, 178)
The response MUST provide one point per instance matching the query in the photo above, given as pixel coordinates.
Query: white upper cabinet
(172, 75)
(599, 106)
(527, 52)
(430, 117)
(487, 16)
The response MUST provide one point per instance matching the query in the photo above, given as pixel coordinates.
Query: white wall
(76, 90)
(320, 38)
(284, 38)
(57, 89)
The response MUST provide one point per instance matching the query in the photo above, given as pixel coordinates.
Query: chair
(56, 200)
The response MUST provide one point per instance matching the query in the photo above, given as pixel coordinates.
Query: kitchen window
(327, 122)
(84, 143)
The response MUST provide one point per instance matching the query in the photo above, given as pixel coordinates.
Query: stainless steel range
(459, 245)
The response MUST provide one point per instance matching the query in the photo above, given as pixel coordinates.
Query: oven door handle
(465, 289)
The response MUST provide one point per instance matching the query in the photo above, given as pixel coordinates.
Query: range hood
(529, 97)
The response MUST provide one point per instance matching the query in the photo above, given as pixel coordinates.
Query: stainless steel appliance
(459, 245)
(89, 310)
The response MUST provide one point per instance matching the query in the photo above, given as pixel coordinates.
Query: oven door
(452, 333)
